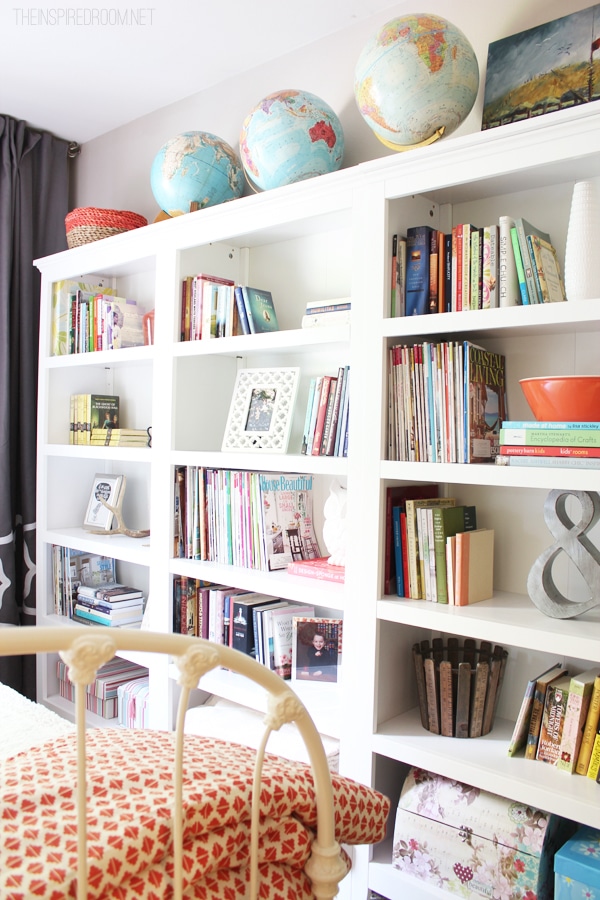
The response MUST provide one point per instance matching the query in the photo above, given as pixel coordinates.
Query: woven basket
(88, 223)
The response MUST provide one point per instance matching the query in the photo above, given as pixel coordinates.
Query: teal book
(525, 228)
(260, 310)
(447, 522)
(519, 264)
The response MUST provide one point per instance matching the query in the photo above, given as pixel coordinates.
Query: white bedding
(24, 724)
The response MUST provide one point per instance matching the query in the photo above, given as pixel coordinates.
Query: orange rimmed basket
(89, 223)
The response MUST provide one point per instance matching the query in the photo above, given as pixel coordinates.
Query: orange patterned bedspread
(129, 832)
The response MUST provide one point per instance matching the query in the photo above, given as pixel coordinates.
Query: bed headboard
(86, 649)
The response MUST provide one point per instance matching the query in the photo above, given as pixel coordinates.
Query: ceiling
(79, 71)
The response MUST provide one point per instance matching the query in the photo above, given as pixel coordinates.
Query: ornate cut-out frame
(262, 406)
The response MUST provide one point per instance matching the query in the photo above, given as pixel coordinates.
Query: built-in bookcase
(327, 238)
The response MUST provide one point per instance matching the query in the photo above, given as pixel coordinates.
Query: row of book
(73, 568)
(550, 444)
(113, 605)
(257, 520)
(102, 695)
(86, 318)
(559, 719)
(215, 307)
(446, 402)
(326, 419)
(508, 263)
(253, 623)
(439, 553)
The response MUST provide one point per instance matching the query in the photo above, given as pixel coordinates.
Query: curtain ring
(73, 150)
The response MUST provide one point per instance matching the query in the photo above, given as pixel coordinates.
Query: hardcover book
(260, 310)
(525, 228)
(397, 495)
(519, 735)
(589, 731)
(547, 270)
(554, 437)
(553, 720)
(447, 522)
(417, 270)
(580, 694)
(537, 709)
(474, 577)
(509, 293)
(280, 629)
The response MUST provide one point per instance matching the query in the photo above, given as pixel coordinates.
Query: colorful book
(519, 265)
(321, 415)
(416, 588)
(593, 771)
(557, 462)
(589, 732)
(537, 708)
(447, 523)
(553, 720)
(525, 228)
(534, 423)
(554, 437)
(319, 569)
(489, 268)
(260, 310)
(279, 624)
(288, 532)
(567, 452)
(417, 270)
(474, 566)
(397, 495)
(484, 402)
(580, 694)
(509, 293)
(547, 269)
(519, 735)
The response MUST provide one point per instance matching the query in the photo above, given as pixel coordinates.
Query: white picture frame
(105, 487)
(261, 411)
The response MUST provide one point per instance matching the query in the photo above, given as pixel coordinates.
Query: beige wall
(113, 170)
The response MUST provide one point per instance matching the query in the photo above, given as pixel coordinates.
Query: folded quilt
(129, 831)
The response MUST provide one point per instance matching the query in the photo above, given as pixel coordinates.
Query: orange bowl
(563, 398)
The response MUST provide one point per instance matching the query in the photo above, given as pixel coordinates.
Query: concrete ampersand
(571, 538)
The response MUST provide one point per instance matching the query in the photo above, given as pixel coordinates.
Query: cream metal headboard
(86, 649)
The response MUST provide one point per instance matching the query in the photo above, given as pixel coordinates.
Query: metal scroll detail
(571, 538)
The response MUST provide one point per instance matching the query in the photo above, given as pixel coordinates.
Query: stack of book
(506, 263)
(327, 312)
(102, 693)
(89, 412)
(73, 568)
(120, 437)
(257, 520)
(552, 444)
(326, 419)
(559, 719)
(447, 402)
(437, 551)
(114, 605)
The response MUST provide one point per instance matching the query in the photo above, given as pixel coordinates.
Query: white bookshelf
(325, 238)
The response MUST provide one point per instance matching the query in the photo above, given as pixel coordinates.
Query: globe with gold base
(416, 80)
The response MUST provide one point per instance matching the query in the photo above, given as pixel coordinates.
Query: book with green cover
(553, 437)
(446, 523)
(260, 310)
(519, 264)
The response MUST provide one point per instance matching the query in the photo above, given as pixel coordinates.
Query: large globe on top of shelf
(195, 167)
(418, 74)
(290, 136)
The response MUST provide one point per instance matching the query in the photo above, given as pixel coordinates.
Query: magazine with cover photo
(287, 518)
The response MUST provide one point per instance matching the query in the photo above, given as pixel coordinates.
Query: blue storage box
(577, 866)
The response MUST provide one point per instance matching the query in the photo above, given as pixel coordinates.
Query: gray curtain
(33, 206)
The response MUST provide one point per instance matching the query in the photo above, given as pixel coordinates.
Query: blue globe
(195, 167)
(417, 75)
(290, 136)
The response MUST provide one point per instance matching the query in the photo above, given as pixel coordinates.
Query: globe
(195, 167)
(290, 136)
(418, 74)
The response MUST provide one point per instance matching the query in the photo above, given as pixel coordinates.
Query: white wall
(113, 171)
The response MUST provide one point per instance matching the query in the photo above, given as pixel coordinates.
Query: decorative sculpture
(334, 527)
(117, 511)
(571, 538)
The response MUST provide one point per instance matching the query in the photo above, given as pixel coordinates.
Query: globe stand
(400, 148)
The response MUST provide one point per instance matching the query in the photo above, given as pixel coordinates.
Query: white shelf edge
(293, 340)
(509, 619)
(484, 763)
(107, 359)
(491, 475)
(284, 462)
(119, 546)
(73, 451)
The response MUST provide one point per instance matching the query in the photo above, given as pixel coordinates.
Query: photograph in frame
(105, 487)
(261, 411)
(316, 649)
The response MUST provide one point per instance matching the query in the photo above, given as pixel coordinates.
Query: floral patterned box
(473, 843)
(577, 867)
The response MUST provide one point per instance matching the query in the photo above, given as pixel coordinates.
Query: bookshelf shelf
(326, 238)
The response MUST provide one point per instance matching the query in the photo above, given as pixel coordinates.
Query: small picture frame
(316, 649)
(261, 411)
(105, 487)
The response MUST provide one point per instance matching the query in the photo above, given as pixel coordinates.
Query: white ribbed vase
(582, 272)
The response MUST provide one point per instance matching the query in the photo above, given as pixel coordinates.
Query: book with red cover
(317, 568)
(321, 413)
(517, 450)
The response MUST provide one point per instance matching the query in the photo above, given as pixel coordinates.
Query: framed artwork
(550, 67)
(316, 649)
(261, 411)
(105, 487)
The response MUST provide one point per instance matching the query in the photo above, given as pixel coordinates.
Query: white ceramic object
(582, 274)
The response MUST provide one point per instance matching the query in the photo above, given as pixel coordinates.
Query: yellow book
(589, 732)
(594, 766)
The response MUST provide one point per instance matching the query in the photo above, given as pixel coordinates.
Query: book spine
(551, 729)
(567, 437)
(393, 300)
(508, 282)
(549, 462)
(434, 252)
(396, 512)
(519, 264)
(241, 308)
(552, 426)
(575, 714)
(527, 265)
(321, 414)
(417, 270)
(568, 452)
(320, 573)
(490, 287)
(309, 406)
(594, 766)
(589, 731)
